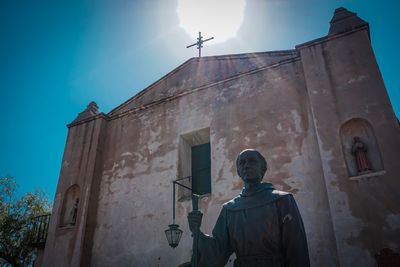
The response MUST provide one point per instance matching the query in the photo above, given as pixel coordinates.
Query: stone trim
(330, 37)
(173, 97)
(293, 52)
(100, 115)
(364, 177)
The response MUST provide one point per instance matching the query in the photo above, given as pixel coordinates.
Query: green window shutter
(201, 169)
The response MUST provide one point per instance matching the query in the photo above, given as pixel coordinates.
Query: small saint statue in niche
(74, 212)
(359, 150)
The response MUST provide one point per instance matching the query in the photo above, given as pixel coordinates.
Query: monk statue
(262, 226)
(359, 150)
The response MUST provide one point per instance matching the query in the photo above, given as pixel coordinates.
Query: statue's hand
(194, 219)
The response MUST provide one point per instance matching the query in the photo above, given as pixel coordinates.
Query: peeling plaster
(65, 164)
(344, 217)
(140, 159)
(297, 120)
(357, 79)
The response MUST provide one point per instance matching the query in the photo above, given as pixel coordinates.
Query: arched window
(360, 147)
(70, 206)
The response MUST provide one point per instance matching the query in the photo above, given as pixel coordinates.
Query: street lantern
(173, 234)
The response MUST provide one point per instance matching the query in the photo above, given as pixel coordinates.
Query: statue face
(250, 167)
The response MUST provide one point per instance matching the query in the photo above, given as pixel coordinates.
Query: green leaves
(16, 213)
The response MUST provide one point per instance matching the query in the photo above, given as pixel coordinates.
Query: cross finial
(199, 43)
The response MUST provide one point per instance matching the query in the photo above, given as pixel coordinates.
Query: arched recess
(361, 128)
(70, 206)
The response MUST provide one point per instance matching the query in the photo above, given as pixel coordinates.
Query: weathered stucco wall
(344, 82)
(64, 244)
(291, 111)
(267, 110)
(197, 72)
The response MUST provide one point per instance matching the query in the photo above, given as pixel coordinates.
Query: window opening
(194, 161)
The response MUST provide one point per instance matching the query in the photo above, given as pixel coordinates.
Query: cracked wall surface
(344, 83)
(291, 111)
(267, 110)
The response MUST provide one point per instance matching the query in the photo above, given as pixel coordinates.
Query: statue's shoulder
(266, 197)
(281, 195)
(278, 193)
(232, 203)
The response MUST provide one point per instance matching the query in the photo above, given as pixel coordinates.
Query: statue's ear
(237, 171)
(237, 166)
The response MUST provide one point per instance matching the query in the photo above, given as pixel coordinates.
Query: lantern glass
(173, 234)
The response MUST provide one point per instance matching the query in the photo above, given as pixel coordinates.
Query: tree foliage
(16, 213)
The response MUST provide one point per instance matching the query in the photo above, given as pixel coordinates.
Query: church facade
(319, 114)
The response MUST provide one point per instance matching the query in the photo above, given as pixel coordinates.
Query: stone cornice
(173, 97)
(330, 37)
(95, 117)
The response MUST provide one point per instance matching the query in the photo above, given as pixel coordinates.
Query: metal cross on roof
(199, 43)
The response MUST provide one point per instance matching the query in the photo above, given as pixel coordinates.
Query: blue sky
(57, 56)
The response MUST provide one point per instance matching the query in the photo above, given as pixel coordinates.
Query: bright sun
(220, 19)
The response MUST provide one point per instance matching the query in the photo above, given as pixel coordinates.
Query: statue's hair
(263, 161)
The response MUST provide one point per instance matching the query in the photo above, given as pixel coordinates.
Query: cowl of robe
(263, 228)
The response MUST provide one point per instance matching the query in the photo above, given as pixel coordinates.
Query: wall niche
(69, 211)
(360, 148)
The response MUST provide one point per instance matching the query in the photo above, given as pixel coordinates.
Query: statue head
(251, 166)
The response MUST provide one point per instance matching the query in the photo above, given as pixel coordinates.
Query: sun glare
(220, 19)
